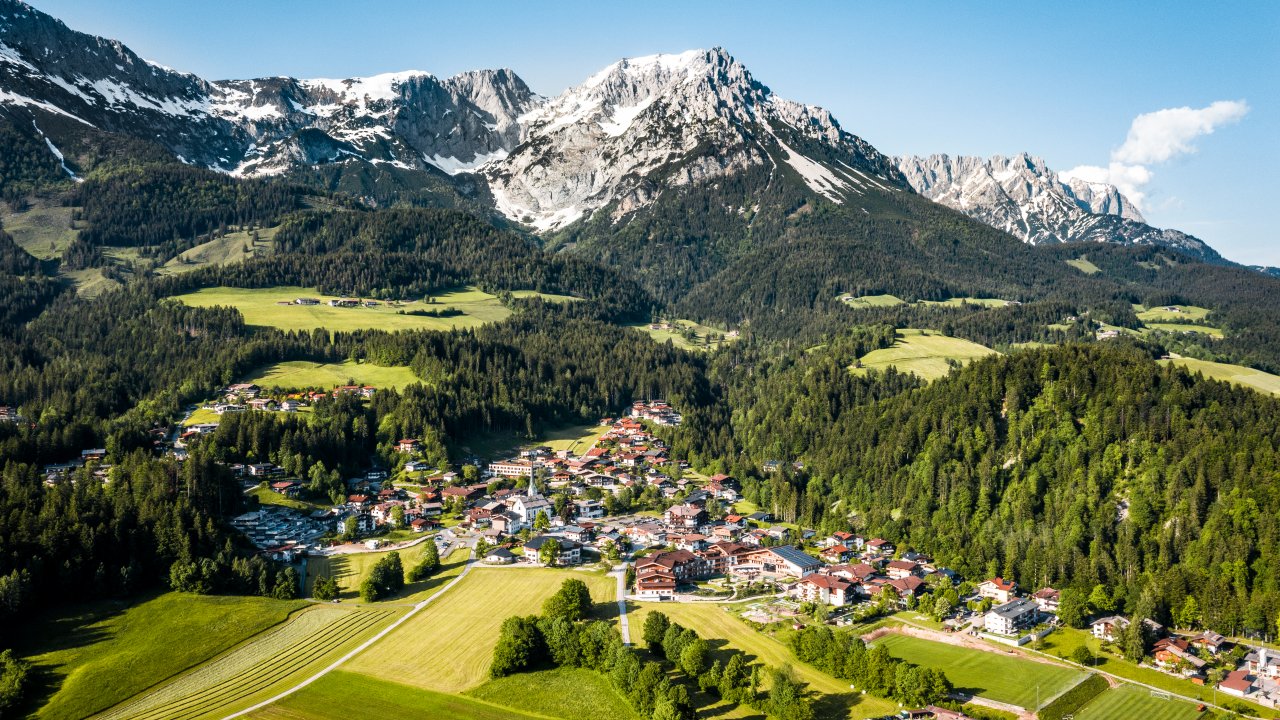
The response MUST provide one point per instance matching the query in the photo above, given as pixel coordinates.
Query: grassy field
(677, 338)
(1179, 313)
(923, 352)
(1130, 701)
(337, 695)
(447, 646)
(1065, 640)
(97, 657)
(1237, 374)
(1184, 328)
(569, 693)
(1083, 265)
(870, 301)
(267, 497)
(42, 231)
(259, 668)
(232, 247)
(575, 438)
(962, 301)
(352, 569)
(259, 307)
(720, 625)
(299, 374)
(994, 675)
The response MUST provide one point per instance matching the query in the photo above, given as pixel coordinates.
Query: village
(555, 508)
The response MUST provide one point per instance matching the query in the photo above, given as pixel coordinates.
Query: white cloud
(1154, 138)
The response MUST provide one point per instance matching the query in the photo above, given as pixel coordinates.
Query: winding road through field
(363, 646)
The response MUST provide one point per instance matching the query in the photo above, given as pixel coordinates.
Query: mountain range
(600, 152)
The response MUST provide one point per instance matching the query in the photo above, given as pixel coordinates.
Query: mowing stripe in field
(252, 667)
(362, 647)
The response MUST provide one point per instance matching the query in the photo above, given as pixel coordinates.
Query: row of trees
(844, 655)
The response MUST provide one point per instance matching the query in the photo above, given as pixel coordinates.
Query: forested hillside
(1072, 466)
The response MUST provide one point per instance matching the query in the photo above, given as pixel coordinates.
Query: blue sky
(1060, 80)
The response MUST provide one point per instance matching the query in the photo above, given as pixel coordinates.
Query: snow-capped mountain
(1024, 197)
(643, 125)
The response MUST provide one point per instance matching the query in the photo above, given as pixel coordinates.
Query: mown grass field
(266, 497)
(721, 626)
(42, 231)
(923, 352)
(97, 657)
(255, 670)
(260, 307)
(344, 695)
(677, 338)
(994, 675)
(352, 569)
(575, 438)
(1083, 265)
(1237, 374)
(1130, 701)
(299, 374)
(447, 647)
(569, 693)
(230, 248)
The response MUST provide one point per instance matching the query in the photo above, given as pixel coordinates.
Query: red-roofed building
(898, 569)
(836, 554)
(824, 589)
(999, 590)
(1237, 682)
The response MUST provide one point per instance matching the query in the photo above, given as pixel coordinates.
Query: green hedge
(1074, 699)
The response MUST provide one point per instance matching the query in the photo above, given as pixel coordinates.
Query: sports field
(1237, 374)
(336, 696)
(259, 668)
(1131, 701)
(299, 374)
(717, 622)
(99, 656)
(997, 676)
(447, 647)
(569, 693)
(923, 352)
(260, 306)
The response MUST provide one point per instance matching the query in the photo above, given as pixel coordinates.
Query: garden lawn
(923, 352)
(720, 625)
(993, 675)
(569, 693)
(260, 306)
(1130, 701)
(448, 646)
(299, 374)
(343, 695)
(99, 657)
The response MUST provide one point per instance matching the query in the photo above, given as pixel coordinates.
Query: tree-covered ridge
(1071, 466)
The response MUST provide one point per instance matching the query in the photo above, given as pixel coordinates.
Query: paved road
(363, 646)
(623, 624)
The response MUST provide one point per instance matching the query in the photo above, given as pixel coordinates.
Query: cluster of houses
(248, 396)
(334, 302)
(9, 414)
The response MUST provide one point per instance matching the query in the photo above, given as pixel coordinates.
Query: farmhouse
(1209, 641)
(408, 445)
(1171, 652)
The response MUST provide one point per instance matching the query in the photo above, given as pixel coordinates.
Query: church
(524, 509)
